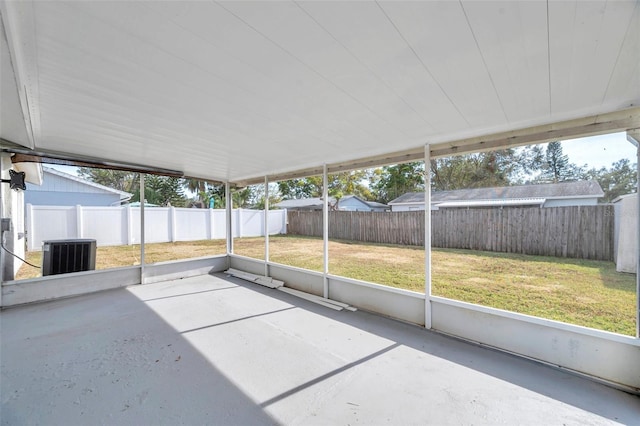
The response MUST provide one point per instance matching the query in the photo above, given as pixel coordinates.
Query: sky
(599, 151)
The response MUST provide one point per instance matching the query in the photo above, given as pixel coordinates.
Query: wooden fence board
(578, 231)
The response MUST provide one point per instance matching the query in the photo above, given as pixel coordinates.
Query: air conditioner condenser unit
(66, 256)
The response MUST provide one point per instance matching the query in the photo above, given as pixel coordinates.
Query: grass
(583, 292)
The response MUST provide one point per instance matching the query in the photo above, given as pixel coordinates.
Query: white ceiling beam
(617, 121)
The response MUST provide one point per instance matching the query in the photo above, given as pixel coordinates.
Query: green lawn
(583, 292)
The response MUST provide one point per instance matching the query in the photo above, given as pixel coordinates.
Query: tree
(199, 187)
(163, 190)
(294, 189)
(393, 181)
(557, 168)
(116, 179)
(485, 169)
(243, 198)
(217, 193)
(340, 184)
(618, 180)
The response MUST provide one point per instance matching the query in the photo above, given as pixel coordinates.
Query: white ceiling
(237, 90)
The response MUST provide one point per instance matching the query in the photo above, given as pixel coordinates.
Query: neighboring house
(62, 189)
(356, 204)
(303, 204)
(346, 203)
(581, 193)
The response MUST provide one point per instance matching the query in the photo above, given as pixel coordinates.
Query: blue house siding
(62, 189)
(354, 204)
(50, 198)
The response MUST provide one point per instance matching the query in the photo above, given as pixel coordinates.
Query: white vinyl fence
(113, 226)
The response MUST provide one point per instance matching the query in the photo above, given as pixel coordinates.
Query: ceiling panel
(513, 43)
(442, 39)
(623, 85)
(585, 40)
(12, 120)
(376, 44)
(238, 90)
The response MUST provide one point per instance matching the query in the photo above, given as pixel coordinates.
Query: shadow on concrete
(108, 358)
(569, 388)
(111, 358)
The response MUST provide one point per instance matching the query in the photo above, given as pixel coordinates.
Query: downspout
(635, 143)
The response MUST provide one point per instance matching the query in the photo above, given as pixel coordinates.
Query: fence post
(211, 224)
(284, 221)
(79, 221)
(239, 226)
(129, 225)
(29, 227)
(172, 222)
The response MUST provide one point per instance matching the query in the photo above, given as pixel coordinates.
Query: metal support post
(634, 138)
(229, 223)
(266, 226)
(325, 231)
(427, 237)
(142, 233)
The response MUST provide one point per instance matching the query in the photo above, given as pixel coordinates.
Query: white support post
(638, 242)
(633, 136)
(2, 212)
(78, 221)
(229, 224)
(142, 196)
(325, 231)
(427, 236)
(266, 226)
(239, 224)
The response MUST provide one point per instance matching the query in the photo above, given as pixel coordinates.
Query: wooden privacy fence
(583, 232)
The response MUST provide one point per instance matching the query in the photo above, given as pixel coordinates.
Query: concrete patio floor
(217, 350)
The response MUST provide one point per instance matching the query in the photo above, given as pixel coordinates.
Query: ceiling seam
(484, 62)
(380, 79)
(37, 128)
(313, 70)
(194, 65)
(424, 66)
(252, 67)
(549, 60)
(626, 35)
